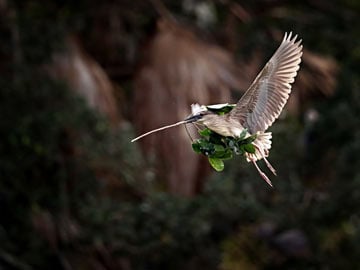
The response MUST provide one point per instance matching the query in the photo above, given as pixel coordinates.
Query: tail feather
(262, 145)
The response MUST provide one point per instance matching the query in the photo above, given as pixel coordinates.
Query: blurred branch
(13, 261)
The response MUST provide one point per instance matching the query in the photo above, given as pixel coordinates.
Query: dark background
(80, 79)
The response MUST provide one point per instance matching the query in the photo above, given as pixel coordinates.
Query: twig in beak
(158, 129)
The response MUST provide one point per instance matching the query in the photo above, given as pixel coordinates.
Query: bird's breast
(225, 128)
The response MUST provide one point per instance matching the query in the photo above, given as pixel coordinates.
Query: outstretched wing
(262, 103)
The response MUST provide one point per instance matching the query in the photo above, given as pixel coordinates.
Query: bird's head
(198, 113)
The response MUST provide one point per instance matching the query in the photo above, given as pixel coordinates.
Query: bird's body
(222, 124)
(260, 106)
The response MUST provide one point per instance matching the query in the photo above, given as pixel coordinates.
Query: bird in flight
(259, 107)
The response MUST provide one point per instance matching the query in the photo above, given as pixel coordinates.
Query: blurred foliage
(74, 195)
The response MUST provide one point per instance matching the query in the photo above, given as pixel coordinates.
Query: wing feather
(263, 102)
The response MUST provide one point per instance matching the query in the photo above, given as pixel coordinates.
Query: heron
(258, 108)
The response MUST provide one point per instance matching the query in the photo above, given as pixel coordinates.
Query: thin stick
(158, 129)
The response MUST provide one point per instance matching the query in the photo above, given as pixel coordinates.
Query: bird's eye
(205, 113)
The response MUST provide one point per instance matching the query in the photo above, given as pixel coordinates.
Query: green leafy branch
(219, 148)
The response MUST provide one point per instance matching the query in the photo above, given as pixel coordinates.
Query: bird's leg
(262, 174)
(271, 168)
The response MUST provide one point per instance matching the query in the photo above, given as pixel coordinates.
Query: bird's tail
(262, 145)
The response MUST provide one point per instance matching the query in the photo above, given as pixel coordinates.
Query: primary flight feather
(264, 100)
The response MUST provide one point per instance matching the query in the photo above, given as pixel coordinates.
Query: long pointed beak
(193, 118)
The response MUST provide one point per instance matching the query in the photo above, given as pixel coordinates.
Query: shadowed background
(79, 80)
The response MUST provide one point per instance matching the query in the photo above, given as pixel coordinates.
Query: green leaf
(227, 155)
(196, 147)
(216, 138)
(217, 164)
(250, 148)
(219, 151)
(219, 148)
(204, 147)
(248, 139)
(205, 132)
